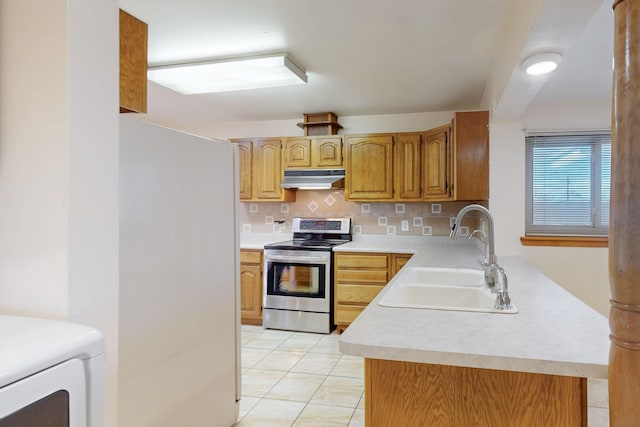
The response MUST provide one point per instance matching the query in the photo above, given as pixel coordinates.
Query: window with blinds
(568, 184)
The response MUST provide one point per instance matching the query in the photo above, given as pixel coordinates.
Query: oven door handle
(306, 259)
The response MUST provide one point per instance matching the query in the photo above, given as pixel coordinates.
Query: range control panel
(316, 224)
(323, 225)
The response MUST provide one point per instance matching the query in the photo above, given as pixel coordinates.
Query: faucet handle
(481, 233)
(489, 275)
(503, 300)
(452, 234)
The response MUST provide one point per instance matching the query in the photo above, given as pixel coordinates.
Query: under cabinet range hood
(313, 179)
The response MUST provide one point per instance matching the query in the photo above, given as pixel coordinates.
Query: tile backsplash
(368, 218)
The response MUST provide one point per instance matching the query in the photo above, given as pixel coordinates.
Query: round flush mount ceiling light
(541, 63)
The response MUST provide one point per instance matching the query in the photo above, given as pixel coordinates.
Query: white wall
(58, 163)
(506, 184)
(93, 112)
(33, 159)
(582, 271)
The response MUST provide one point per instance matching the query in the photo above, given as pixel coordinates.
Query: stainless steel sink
(442, 289)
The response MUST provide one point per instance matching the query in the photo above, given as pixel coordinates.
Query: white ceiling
(366, 57)
(586, 72)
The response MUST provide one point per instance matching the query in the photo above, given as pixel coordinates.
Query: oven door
(297, 280)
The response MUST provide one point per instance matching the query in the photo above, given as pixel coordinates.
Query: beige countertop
(553, 332)
(258, 240)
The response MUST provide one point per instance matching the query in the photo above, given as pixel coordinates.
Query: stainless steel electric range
(298, 275)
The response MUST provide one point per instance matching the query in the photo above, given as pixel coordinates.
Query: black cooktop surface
(306, 244)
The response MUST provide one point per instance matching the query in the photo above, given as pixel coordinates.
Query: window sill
(568, 241)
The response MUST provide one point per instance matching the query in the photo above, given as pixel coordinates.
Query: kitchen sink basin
(443, 276)
(442, 289)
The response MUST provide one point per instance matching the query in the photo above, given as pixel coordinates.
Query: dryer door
(54, 397)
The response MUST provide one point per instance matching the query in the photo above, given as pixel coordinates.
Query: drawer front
(345, 314)
(251, 257)
(362, 294)
(362, 261)
(380, 277)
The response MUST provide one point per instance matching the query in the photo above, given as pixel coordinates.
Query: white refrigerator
(179, 323)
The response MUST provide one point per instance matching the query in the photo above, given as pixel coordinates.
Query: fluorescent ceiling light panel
(229, 74)
(541, 63)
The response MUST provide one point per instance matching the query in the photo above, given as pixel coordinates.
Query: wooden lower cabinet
(358, 278)
(417, 394)
(251, 287)
(397, 262)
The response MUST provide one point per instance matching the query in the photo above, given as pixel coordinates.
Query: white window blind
(568, 184)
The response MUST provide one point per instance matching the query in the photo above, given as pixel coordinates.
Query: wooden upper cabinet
(448, 163)
(267, 168)
(261, 170)
(133, 64)
(369, 166)
(318, 152)
(436, 164)
(297, 153)
(246, 155)
(407, 167)
(470, 156)
(328, 152)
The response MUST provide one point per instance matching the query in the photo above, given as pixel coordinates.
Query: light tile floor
(302, 380)
(299, 379)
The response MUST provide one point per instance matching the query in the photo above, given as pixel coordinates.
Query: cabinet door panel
(398, 261)
(471, 141)
(357, 294)
(267, 174)
(246, 155)
(369, 168)
(251, 257)
(408, 166)
(328, 152)
(250, 292)
(297, 153)
(435, 164)
(345, 314)
(361, 260)
(363, 276)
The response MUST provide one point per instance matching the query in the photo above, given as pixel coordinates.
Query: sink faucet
(503, 300)
(491, 258)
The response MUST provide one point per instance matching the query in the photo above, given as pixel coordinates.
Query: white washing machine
(51, 373)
